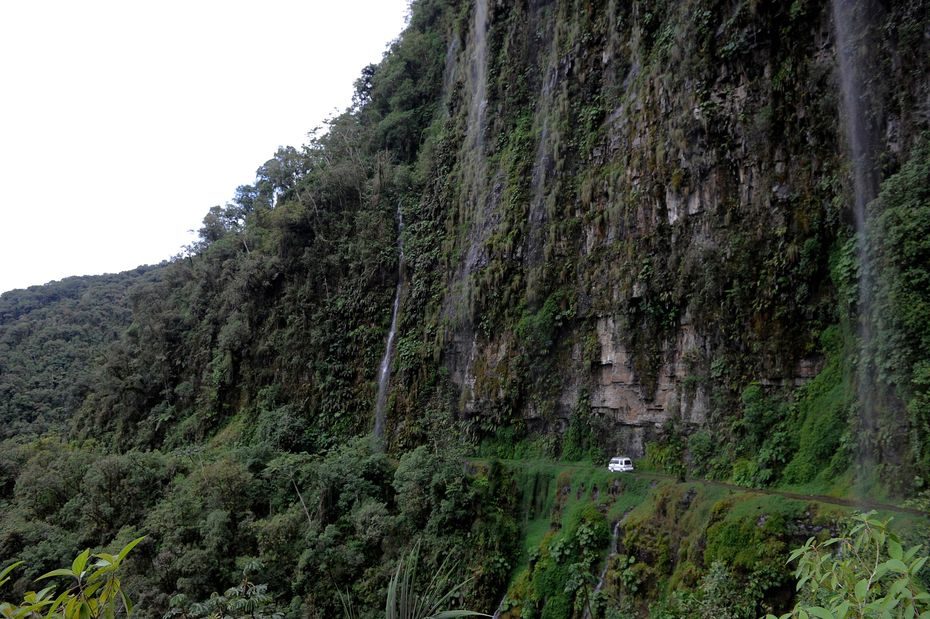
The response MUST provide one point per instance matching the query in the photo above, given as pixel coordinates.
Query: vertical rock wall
(663, 185)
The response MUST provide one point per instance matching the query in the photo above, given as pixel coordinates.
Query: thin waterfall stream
(603, 576)
(475, 229)
(545, 155)
(851, 24)
(474, 156)
(384, 370)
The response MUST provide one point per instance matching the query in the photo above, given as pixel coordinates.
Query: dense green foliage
(53, 339)
(638, 240)
(865, 573)
(901, 247)
(92, 589)
(273, 323)
(317, 524)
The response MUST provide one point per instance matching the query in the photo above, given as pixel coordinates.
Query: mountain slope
(626, 227)
(53, 338)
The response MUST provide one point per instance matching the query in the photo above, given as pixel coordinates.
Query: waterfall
(384, 370)
(851, 23)
(603, 576)
(474, 200)
(449, 72)
(472, 218)
(479, 80)
(536, 219)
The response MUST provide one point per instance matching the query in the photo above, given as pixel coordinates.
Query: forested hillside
(606, 227)
(53, 340)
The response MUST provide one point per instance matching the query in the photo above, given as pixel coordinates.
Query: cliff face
(638, 208)
(626, 226)
(621, 220)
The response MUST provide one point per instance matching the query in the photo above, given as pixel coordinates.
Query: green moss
(558, 607)
(751, 532)
(899, 241)
(822, 410)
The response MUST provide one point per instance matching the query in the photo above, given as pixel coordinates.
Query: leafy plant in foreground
(406, 601)
(94, 590)
(247, 600)
(864, 574)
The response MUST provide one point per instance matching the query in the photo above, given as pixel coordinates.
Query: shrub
(866, 573)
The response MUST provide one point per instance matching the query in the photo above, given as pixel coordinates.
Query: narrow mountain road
(861, 504)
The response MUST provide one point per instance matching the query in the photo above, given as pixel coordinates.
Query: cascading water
(537, 211)
(603, 576)
(474, 155)
(851, 24)
(449, 72)
(384, 370)
(479, 70)
(474, 220)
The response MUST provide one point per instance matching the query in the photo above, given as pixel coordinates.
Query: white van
(620, 464)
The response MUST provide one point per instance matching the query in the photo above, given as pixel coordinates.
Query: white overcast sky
(123, 121)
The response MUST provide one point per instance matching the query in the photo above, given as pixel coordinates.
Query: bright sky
(122, 122)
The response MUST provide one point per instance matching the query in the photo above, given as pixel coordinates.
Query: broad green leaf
(894, 550)
(802, 582)
(59, 572)
(6, 571)
(822, 613)
(880, 571)
(127, 603)
(843, 609)
(56, 604)
(45, 593)
(126, 550)
(71, 608)
(862, 589)
(918, 565)
(92, 588)
(80, 561)
(896, 565)
(898, 586)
